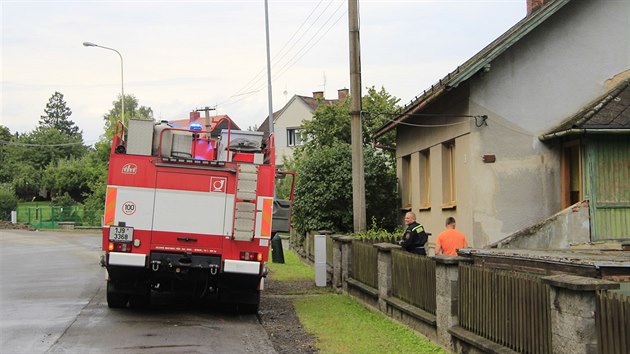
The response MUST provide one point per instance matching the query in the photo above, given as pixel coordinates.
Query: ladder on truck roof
(246, 189)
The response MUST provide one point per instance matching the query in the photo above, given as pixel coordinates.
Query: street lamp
(122, 86)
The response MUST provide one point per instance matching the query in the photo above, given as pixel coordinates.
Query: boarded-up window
(448, 175)
(406, 181)
(425, 179)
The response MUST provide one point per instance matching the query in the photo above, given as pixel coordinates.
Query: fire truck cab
(187, 210)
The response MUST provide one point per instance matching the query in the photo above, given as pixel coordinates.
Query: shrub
(8, 202)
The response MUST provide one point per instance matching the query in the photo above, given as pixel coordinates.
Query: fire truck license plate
(120, 234)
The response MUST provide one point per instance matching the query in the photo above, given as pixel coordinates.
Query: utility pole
(207, 110)
(356, 131)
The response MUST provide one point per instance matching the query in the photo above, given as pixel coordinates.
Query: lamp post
(122, 86)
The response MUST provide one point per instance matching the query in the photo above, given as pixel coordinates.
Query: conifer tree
(57, 115)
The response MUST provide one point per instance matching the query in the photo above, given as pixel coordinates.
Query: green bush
(8, 202)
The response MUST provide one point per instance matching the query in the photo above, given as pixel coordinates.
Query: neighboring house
(534, 122)
(288, 121)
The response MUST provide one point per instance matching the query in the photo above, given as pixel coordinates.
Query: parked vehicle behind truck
(187, 210)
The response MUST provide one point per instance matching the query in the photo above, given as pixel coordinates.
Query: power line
(12, 143)
(255, 85)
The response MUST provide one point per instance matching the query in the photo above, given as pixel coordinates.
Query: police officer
(415, 236)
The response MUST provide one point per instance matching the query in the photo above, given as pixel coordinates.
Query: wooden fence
(508, 308)
(613, 322)
(413, 279)
(365, 263)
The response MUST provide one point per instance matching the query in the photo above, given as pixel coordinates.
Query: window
(571, 173)
(448, 175)
(425, 179)
(406, 182)
(294, 137)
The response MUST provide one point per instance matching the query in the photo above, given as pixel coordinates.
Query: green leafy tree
(6, 165)
(133, 110)
(68, 177)
(57, 115)
(323, 192)
(45, 145)
(26, 181)
(379, 107)
(330, 124)
(8, 201)
(324, 167)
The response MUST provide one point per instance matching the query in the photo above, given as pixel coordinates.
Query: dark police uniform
(414, 239)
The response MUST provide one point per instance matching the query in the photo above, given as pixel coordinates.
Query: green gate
(608, 186)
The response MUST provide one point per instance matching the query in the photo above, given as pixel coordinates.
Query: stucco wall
(291, 117)
(542, 80)
(564, 63)
(412, 140)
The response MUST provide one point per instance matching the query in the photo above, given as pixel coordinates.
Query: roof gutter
(578, 131)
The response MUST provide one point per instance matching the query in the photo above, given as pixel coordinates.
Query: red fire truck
(188, 210)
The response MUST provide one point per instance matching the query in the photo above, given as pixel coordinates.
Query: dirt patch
(279, 319)
(6, 225)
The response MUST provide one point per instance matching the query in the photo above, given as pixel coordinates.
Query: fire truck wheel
(248, 308)
(140, 301)
(115, 300)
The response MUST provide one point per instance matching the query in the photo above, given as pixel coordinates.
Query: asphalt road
(52, 299)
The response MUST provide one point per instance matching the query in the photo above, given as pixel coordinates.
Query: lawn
(341, 324)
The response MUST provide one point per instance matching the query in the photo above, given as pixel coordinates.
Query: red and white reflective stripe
(264, 216)
(110, 206)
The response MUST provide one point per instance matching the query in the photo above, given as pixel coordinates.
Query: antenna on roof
(324, 84)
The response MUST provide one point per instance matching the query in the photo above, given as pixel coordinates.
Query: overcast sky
(183, 55)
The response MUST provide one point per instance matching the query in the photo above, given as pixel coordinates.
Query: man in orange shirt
(450, 239)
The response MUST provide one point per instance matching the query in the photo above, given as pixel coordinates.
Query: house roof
(311, 102)
(609, 113)
(479, 62)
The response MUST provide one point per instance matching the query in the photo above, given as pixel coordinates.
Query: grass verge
(341, 324)
(293, 269)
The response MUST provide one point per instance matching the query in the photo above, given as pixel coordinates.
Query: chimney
(318, 94)
(194, 116)
(535, 5)
(342, 94)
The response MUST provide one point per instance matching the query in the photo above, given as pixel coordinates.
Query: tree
(26, 181)
(6, 168)
(45, 145)
(57, 116)
(324, 168)
(68, 176)
(132, 111)
(379, 107)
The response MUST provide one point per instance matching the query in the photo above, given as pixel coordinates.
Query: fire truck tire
(140, 301)
(248, 308)
(115, 300)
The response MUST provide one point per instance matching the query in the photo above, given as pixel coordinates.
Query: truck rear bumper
(241, 267)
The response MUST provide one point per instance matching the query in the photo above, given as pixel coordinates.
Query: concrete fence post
(336, 262)
(384, 273)
(346, 260)
(446, 292)
(573, 301)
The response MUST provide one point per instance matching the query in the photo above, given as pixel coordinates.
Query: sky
(182, 55)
